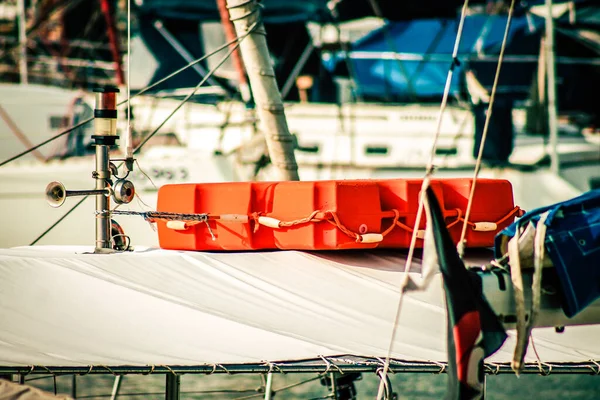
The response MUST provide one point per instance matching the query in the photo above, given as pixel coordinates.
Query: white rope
(461, 243)
(129, 136)
(429, 168)
(425, 184)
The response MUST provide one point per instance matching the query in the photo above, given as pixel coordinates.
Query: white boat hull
(352, 141)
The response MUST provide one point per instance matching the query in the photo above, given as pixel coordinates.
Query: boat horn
(123, 192)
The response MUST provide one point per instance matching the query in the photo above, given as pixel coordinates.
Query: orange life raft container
(326, 215)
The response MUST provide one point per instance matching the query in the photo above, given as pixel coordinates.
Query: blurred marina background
(362, 82)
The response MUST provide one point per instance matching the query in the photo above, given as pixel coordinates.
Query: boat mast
(22, 42)
(237, 60)
(551, 79)
(245, 14)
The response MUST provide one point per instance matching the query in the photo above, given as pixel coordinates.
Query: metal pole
(105, 129)
(551, 79)
(74, 387)
(128, 135)
(116, 387)
(582, 368)
(287, 86)
(334, 393)
(102, 173)
(93, 192)
(484, 392)
(22, 43)
(269, 387)
(245, 15)
(160, 28)
(173, 386)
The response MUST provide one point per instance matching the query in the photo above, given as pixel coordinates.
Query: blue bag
(573, 244)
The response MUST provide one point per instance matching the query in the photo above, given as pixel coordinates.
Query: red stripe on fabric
(466, 331)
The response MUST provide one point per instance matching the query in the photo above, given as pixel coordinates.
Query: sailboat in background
(214, 138)
(174, 312)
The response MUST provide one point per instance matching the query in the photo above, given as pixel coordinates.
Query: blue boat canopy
(410, 59)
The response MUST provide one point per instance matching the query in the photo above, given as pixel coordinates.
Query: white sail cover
(61, 306)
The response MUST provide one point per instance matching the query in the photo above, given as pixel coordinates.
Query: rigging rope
(144, 90)
(58, 221)
(461, 243)
(19, 133)
(193, 92)
(428, 173)
(210, 73)
(429, 169)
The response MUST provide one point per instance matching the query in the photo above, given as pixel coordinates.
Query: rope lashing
(184, 221)
(489, 226)
(325, 216)
(153, 216)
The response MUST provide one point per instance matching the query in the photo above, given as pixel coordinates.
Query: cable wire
(488, 117)
(128, 135)
(210, 73)
(65, 215)
(147, 88)
(428, 173)
(192, 93)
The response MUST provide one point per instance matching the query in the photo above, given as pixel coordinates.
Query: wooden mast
(245, 15)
